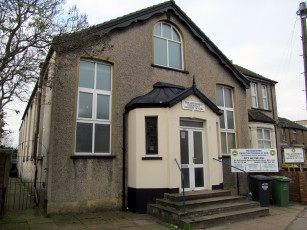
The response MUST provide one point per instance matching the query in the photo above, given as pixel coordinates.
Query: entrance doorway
(192, 149)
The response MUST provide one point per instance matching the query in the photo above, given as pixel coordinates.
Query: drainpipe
(39, 100)
(276, 135)
(124, 163)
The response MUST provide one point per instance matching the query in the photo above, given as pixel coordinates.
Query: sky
(263, 36)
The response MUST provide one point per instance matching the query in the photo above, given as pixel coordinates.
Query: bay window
(264, 138)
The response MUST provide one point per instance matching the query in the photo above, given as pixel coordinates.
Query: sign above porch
(193, 105)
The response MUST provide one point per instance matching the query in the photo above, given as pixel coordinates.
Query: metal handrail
(238, 169)
(182, 181)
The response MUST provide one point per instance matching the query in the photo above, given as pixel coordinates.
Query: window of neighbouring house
(264, 138)
(283, 134)
(227, 120)
(265, 97)
(254, 95)
(167, 46)
(294, 136)
(151, 131)
(93, 128)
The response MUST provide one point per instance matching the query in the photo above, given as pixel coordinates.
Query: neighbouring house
(262, 111)
(292, 135)
(119, 104)
(302, 122)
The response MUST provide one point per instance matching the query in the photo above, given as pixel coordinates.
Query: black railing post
(182, 181)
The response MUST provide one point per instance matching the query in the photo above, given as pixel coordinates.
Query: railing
(239, 170)
(182, 181)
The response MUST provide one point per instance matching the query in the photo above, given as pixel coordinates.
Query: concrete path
(300, 222)
(289, 218)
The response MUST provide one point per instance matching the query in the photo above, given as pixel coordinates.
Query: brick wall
(303, 187)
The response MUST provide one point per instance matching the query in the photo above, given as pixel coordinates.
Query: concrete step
(204, 222)
(196, 195)
(192, 204)
(174, 215)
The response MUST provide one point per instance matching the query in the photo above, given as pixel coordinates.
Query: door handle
(194, 158)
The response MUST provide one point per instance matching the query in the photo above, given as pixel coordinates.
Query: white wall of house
(165, 173)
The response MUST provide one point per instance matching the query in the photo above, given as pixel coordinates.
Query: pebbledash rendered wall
(79, 185)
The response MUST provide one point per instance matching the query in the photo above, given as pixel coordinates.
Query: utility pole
(302, 11)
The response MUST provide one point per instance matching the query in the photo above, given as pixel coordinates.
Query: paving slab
(300, 222)
(293, 217)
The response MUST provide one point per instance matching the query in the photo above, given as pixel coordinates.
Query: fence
(22, 195)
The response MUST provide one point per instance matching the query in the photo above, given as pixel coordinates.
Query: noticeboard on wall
(254, 160)
(294, 155)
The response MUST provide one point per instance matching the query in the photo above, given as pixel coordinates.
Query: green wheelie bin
(280, 190)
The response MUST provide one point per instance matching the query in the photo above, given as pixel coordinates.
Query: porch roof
(166, 95)
(257, 116)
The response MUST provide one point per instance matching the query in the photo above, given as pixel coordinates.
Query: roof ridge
(252, 73)
(132, 13)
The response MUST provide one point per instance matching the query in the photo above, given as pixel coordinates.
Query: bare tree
(27, 28)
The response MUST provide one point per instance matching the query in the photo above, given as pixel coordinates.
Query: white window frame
(263, 137)
(226, 130)
(167, 42)
(254, 95)
(94, 120)
(265, 102)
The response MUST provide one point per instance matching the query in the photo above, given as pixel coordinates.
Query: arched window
(167, 46)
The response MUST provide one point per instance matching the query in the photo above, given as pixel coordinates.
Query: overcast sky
(263, 36)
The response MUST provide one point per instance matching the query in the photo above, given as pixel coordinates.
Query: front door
(192, 156)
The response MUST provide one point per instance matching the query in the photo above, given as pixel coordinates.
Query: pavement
(293, 217)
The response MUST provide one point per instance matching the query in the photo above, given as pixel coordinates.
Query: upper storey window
(254, 95)
(265, 97)
(167, 46)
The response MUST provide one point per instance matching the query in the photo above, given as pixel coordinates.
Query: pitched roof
(165, 7)
(285, 123)
(166, 95)
(258, 116)
(249, 73)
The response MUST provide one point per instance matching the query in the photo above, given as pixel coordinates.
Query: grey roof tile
(285, 123)
(258, 116)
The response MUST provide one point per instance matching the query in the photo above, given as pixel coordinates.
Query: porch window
(227, 120)
(151, 129)
(265, 97)
(93, 128)
(167, 46)
(254, 95)
(264, 138)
